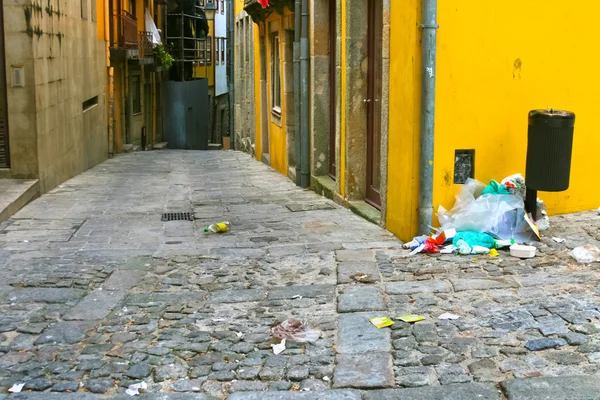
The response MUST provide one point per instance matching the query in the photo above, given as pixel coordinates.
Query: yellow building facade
(494, 65)
(133, 86)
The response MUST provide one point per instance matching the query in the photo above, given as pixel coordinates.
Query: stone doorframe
(355, 151)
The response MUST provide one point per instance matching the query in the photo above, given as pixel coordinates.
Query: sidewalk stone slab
(53, 396)
(46, 295)
(554, 388)
(543, 344)
(65, 332)
(466, 391)
(357, 335)
(364, 371)
(461, 285)
(307, 291)
(360, 298)
(326, 395)
(238, 296)
(412, 287)
(348, 269)
(96, 305)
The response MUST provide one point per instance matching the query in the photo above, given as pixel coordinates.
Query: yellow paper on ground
(381, 322)
(494, 253)
(411, 318)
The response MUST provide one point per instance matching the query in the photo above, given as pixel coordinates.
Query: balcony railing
(127, 33)
(145, 48)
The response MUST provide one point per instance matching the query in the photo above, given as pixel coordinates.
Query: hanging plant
(163, 57)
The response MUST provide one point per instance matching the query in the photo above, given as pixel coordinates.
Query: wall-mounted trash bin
(549, 148)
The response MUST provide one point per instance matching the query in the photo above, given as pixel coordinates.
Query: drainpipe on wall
(111, 77)
(428, 51)
(231, 72)
(297, 123)
(304, 73)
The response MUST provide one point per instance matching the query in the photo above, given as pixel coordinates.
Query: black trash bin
(549, 148)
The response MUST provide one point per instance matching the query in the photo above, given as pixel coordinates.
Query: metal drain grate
(177, 216)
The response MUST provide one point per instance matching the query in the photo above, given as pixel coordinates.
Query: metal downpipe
(231, 70)
(297, 124)
(304, 72)
(428, 51)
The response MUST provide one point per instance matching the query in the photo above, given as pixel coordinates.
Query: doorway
(332, 86)
(4, 149)
(373, 100)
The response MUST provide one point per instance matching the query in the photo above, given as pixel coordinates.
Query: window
(223, 51)
(208, 50)
(201, 2)
(210, 3)
(275, 75)
(217, 5)
(202, 51)
(136, 95)
(132, 7)
(84, 9)
(86, 105)
(93, 10)
(217, 46)
(222, 6)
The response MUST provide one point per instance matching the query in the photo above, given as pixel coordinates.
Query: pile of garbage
(485, 219)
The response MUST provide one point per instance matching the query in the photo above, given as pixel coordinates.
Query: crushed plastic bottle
(218, 227)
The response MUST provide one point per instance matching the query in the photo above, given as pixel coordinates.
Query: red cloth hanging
(264, 3)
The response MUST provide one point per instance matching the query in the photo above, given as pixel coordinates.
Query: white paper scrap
(449, 316)
(278, 348)
(16, 388)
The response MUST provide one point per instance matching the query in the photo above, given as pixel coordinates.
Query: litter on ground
(278, 348)
(381, 322)
(134, 390)
(16, 388)
(295, 330)
(446, 316)
(586, 254)
(411, 318)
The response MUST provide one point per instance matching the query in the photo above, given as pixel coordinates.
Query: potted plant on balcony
(164, 60)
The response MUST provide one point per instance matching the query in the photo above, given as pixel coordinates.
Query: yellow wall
(277, 134)
(238, 7)
(404, 111)
(483, 97)
(258, 133)
(208, 71)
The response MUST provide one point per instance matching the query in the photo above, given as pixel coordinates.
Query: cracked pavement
(97, 293)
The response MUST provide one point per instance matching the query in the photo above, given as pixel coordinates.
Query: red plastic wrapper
(431, 246)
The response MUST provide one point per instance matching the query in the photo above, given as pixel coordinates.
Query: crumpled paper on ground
(134, 390)
(586, 254)
(295, 330)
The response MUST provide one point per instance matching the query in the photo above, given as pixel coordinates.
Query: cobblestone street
(97, 293)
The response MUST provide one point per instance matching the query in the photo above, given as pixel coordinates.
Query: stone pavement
(97, 293)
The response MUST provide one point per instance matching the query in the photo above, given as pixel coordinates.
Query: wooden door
(332, 86)
(4, 150)
(373, 102)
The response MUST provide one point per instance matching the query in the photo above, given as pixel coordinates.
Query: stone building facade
(54, 85)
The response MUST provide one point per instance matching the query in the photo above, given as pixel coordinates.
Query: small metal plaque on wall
(464, 166)
(18, 76)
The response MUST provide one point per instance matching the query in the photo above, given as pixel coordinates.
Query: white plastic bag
(586, 254)
(500, 215)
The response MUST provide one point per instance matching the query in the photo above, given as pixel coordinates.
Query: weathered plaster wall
(319, 90)
(69, 69)
(21, 101)
(355, 81)
(245, 97)
(64, 66)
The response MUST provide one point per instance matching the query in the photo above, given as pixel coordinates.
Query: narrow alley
(98, 293)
